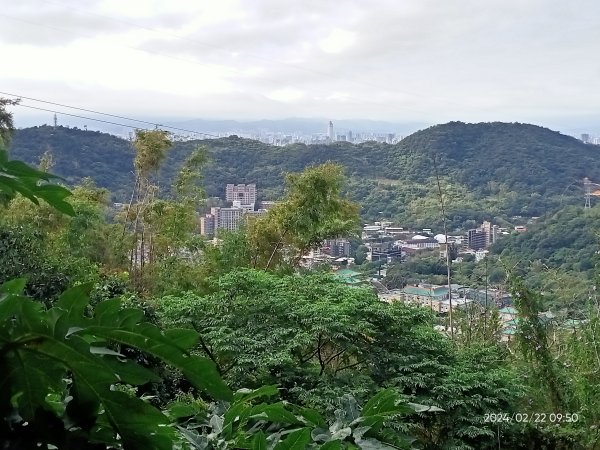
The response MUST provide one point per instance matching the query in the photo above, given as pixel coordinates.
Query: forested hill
(522, 156)
(489, 168)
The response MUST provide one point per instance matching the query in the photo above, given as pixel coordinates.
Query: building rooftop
(433, 291)
(508, 310)
(573, 323)
(346, 273)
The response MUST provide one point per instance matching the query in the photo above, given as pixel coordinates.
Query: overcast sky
(399, 60)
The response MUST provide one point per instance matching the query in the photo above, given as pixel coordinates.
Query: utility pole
(439, 186)
(486, 297)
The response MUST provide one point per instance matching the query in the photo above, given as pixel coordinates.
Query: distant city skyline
(278, 132)
(415, 61)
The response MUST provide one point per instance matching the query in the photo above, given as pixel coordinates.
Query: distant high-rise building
(207, 225)
(242, 194)
(483, 237)
(349, 134)
(476, 239)
(585, 137)
(337, 247)
(330, 134)
(227, 218)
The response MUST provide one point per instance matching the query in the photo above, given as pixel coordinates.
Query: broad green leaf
(312, 417)
(259, 442)
(384, 403)
(201, 372)
(131, 372)
(178, 410)
(129, 317)
(140, 425)
(31, 318)
(373, 444)
(74, 301)
(14, 287)
(297, 440)
(10, 305)
(29, 386)
(424, 408)
(275, 412)
(107, 312)
(250, 394)
(331, 445)
(182, 337)
(236, 415)
(19, 168)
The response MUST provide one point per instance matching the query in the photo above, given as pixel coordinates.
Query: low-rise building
(429, 296)
(507, 314)
(383, 251)
(421, 243)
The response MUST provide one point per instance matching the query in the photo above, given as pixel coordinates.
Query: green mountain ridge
(486, 169)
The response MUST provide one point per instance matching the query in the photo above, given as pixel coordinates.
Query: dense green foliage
(557, 256)
(175, 325)
(319, 340)
(565, 240)
(311, 211)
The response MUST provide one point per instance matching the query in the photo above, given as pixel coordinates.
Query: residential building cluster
(388, 242)
(242, 204)
(243, 200)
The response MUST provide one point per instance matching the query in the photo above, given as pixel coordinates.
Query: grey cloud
(55, 24)
(448, 59)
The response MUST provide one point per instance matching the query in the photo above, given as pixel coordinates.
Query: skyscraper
(330, 134)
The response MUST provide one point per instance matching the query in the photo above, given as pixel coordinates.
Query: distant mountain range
(288, 126)
(488, 169)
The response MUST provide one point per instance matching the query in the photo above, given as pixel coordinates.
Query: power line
(110, 122)
(157, 125)
(79, 109)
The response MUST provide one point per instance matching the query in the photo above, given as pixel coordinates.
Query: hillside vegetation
(136, 334)
(487, 170)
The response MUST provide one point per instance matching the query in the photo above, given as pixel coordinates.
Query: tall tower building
(226, 218)
(241, 195)
(330, 134)
(476, 239)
